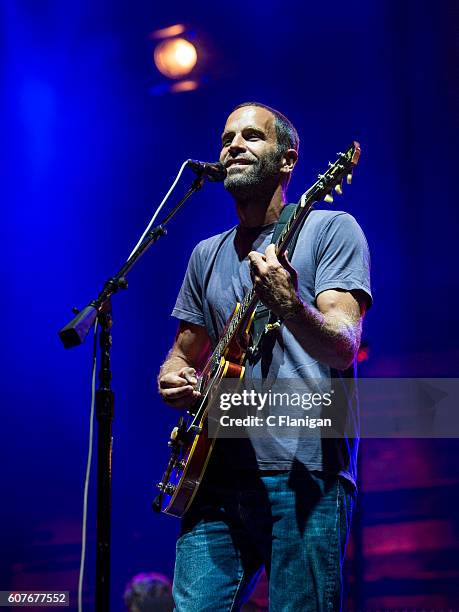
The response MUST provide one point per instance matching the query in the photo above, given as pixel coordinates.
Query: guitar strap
(264, 318)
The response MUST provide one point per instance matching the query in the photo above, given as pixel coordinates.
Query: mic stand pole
(73, 334)
(105, 401)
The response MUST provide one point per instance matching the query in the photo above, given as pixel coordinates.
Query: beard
(255, 180)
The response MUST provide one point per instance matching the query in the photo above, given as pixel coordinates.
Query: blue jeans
(294, 523)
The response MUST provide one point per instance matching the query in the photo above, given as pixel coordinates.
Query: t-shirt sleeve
(188, 306)
(343, 257)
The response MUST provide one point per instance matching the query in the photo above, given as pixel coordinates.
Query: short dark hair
(287, 136)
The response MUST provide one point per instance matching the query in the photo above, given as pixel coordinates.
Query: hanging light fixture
(175, 58)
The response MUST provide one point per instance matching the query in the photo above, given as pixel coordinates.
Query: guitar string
(319, 185)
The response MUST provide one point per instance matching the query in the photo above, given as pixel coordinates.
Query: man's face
(249, 151)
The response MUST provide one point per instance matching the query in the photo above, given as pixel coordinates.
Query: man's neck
(258, 210)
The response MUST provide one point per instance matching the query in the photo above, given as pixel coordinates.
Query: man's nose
(237, 145)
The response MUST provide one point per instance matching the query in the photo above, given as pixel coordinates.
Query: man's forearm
(173, 363)
(331, 333)
(190, 349)
(332, 338)
(177, 380)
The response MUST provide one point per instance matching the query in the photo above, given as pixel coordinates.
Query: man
(285, 504)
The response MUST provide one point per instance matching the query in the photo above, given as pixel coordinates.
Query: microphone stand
(74, 334)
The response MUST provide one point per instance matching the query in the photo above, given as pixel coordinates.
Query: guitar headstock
(332, 179)
(322, 189)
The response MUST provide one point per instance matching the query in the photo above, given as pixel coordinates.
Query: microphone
(214, 172)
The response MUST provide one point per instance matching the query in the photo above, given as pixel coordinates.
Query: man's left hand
(275, 281)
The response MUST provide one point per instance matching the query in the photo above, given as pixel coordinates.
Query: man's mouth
(237, 162)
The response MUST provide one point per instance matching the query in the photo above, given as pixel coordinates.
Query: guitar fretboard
(323, 186)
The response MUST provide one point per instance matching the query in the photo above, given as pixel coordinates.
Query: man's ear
(289, 159)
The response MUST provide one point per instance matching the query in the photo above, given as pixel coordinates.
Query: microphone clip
(215, 172)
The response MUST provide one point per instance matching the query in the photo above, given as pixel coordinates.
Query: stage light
(169, 32)
(188, 85)
(175, 57)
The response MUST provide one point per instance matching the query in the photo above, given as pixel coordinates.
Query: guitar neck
(246, 308)
(322, 189)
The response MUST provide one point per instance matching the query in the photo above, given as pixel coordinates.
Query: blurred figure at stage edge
(149, 592)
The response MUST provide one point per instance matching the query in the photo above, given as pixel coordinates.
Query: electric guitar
(190, 444)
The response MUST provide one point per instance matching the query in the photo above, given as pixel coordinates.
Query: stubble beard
(257, 180)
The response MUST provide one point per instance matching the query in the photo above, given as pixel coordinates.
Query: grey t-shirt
(331, 253)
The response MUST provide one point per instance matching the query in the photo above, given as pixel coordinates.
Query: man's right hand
(178, 388)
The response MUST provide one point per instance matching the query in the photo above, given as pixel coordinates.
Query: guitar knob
(174, 433)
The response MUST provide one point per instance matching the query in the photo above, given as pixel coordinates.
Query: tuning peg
(349, 178)
(328, 198)
(339, 189)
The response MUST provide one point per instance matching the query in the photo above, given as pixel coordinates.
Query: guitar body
(191, 447)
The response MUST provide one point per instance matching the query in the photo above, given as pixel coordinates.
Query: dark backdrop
(87, 153)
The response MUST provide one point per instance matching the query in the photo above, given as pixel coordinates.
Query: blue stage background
(87, 153)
